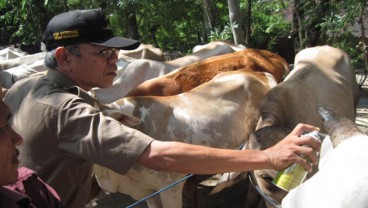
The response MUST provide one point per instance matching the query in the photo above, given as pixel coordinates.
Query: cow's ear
(125, 119)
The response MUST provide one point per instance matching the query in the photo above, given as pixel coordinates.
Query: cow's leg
(189, 193)
(154, 202)
(172, 198)
(253, 199)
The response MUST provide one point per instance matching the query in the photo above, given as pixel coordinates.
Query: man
(25, 190)
(65, 134)
(9, 140)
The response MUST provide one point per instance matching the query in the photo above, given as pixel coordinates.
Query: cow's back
(322, 75)
(231, 101)
(193, 75)
(220, 113)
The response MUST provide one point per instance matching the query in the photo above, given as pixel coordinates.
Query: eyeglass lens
(108, 52)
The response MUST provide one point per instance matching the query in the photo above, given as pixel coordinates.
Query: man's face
(91, 68)
(9, 139)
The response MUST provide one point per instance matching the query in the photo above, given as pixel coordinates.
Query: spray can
(295, 174)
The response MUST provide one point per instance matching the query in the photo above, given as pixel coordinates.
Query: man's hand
(288, 150)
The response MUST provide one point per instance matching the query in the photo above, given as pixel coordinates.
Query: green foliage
(180, 25)
(341, 15)
(222, 35)
(16, 24)
(267, 28)
(23, 21)
(336, 25)
(348, 43)
(175, 23)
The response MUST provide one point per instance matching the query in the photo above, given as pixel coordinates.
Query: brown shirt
(64, 135)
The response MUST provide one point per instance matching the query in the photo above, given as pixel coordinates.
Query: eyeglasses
(107, 52)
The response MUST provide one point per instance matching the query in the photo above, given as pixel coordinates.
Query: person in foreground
(65, 132)
(19, 187)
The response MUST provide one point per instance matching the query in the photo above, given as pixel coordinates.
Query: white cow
(144, 51)
(11, 53)
(234, 47)
(21, 60)
(218, 113)
(127, 79)
(322, 75)
(342, 179)
(21, 67)
(211, 49)
(136, 72)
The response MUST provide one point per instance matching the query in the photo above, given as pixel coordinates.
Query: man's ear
(62, 56)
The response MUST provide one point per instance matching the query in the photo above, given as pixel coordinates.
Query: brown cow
(188, 77)
(132, 72)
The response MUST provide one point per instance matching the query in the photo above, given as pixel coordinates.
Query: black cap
(83, 26)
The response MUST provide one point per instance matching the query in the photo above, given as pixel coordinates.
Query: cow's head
(338, 128)
(264, 138)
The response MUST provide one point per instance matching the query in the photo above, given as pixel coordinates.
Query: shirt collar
(63, 81)
(59, 78)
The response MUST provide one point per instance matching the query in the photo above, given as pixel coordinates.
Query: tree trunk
(132, 24)
(208, 19)
(235, 20)
(248, 23)
(296, 28)
(153, 30)
(314, 34)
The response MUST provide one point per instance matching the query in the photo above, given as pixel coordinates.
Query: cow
(321, 75)
(10, 53)
(219, 113)
(144, 51)
(137, 71)
(21, 60)
(188, 77)
(15, 69)
(211, 50)
(234, 48)
(342, 177)
(20, 65)
(10, 76)
(133, 75)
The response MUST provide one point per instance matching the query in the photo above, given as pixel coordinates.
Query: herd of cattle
(225, 96)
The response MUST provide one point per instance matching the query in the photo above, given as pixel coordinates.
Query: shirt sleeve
(83, 131)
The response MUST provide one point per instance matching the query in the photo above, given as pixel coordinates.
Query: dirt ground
(229, 198)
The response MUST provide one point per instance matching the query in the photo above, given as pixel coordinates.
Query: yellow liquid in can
(295, 174)
(291, 177)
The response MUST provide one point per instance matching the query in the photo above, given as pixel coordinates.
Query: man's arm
(196, 159)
